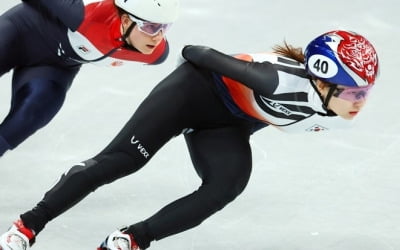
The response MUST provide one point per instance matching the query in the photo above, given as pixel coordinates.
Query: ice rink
(338, 190)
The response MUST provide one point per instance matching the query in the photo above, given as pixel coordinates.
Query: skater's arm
(69, 12)
(255, 75)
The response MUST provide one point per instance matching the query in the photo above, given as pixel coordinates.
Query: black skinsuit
(218, 145)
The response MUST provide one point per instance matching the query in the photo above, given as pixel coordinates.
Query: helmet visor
(353, 94)
(150, 28)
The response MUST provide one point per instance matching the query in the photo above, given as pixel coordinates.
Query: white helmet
(156, 11)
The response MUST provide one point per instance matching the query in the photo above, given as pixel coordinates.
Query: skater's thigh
(221, 156)
(162, 115)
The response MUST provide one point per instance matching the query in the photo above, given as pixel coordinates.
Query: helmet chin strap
(328, 97)
(325, 100)
(125, 36)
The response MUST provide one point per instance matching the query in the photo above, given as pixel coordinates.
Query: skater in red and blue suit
(217, 101)
(45, 42)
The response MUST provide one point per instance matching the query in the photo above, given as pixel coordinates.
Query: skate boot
(118, 240)
(18, 237)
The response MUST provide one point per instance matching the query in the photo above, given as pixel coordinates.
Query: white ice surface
(327, 191)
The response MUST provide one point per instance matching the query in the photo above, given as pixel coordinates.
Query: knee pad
(82, 166)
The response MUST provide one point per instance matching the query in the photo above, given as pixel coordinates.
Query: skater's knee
(228, 188)
(105, 168)
(38, 102)
(94, 173)
(218, 196)
(78, 174)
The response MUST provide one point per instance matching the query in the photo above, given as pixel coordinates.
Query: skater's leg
(121, 157)
(8, 58)
(183, 100)
(76, 184)
(37, 95)
(33, 107)
(222, 158)
(155, 121)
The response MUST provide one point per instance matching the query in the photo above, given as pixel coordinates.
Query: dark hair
(289, 51)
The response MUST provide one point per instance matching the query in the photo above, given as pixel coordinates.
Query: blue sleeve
(70, 12)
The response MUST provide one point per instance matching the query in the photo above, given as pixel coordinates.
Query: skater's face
(345, 102)
(144, 38)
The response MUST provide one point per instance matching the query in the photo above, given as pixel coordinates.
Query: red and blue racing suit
(45, 42)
